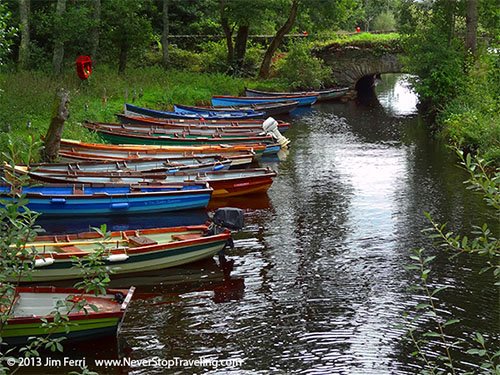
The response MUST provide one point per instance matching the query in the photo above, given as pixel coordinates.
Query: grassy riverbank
(471, 120)
(26, 98)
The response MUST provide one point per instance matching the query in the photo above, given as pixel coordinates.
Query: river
(317, 281)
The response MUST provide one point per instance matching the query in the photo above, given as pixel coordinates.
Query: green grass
(358, 39)
(28, 97)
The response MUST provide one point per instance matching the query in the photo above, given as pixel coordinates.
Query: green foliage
(384, 21)
(214, 56)
(185, 60)
(471, 119)
(437, 62)
(301, 70)
(127, 29)
(7, 32)
(389, 40)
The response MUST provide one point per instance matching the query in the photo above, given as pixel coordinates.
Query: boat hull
(112, 201)
(131, 109)
(304, 101)
(64, 269)
(323, 95)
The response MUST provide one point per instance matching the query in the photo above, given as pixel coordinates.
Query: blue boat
(304, 100)
(131, 109)
(73, 200)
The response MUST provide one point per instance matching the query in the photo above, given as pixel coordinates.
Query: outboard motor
(270, 126)
(226, 218)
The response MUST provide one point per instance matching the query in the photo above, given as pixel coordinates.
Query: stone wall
(351, 63)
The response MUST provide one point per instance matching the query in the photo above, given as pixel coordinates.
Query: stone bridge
(356, 65)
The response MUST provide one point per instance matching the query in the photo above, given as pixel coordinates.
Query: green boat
(32, 305)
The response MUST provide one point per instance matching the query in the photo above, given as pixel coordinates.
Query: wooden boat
(77, 150)
(125, 252)
(158, 166)
(225, 150)
(73, 200)
(224, 183)
(268, 109)
(161, 130)
(174, 123)
(304, 100)
(323, 95)
(31, 306)
(131, 109)
(127, 137)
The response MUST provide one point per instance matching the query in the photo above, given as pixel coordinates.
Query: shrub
(214, 56)
(384, 22)
(185, 60)
(301, 70)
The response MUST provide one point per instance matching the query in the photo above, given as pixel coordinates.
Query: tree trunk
(53, 138)
(58, 57)
(471, 23)
(96, 29)
(277, 40)
(228, 33)
(24, 47)
(164, 36)
(122, 62)
(240, 46)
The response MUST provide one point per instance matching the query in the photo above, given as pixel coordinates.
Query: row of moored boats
(152, 161)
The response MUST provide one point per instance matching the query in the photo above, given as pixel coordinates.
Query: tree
(471, 20)
(241, 16)
(164, 35)
(128, 28)
(278, 39)
(6, 32)
(96, 28)
(24, 47)
(58, 56)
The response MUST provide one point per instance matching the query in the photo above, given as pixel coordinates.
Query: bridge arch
(354, 65)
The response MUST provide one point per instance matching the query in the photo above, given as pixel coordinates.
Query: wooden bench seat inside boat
(184, 237)
(72, 249)
(141, 241)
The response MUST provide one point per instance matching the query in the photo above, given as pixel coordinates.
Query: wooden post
(60, 114)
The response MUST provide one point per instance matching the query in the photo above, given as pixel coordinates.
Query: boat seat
(72, 250)
(141, 241)
(185, 237)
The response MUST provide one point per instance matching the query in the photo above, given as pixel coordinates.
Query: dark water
(318, 283)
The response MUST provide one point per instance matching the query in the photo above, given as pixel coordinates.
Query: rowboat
(164, 166)
(127, 137)
(123, 252)
(187, 131)
(175, 123)
(323, 95)
(73, 200)
(224, 183)
(268, 109)
(31, 306)
(131, 109)
(116, 153)
(304, 100)
(225, 150)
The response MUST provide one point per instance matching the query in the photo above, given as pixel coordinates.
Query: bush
(185, 60)
(471, 119)
(214, 56)
(384, 22)
(301, 70)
